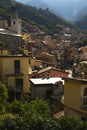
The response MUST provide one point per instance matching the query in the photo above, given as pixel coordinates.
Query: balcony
(19, 88)
(17, 72)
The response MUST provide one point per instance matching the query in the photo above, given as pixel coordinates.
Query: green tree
(37, 122)
(60, 27)
(33, 123)
(13, 123)
(11, 94)
(39, 116)
(40, 107)
(9, 123)
(3, 97)
(16, 107)
(71, 123)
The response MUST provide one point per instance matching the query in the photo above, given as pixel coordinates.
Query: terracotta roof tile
(49, 43)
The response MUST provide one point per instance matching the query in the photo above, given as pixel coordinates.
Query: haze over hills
(72, 10)
(44, 19)
(67, 8)
(35, 3)
(81, 21)
(40, 4)
(51, 20)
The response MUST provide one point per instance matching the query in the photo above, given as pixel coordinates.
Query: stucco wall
(7, 67)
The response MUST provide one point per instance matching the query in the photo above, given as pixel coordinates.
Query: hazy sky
(62, 0)
(70, 1)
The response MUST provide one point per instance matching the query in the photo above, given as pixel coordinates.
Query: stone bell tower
(16, 24)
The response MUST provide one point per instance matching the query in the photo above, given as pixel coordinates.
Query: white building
(46, 88)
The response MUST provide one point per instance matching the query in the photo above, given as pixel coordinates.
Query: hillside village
(39, 65)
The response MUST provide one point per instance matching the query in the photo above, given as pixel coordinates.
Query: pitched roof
(45, 69)
(50, 43)
(49, 68)
(84, 81)
(83, 62)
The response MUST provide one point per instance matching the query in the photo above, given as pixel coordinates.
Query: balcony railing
(15, 73)
(19, 88)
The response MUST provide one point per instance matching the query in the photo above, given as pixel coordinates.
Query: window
(85, 92)
(84, 98)
(83, 118)
(85, 101)
(17, 66)
(29, 61)
(48, 93)
(14, 22)
(19, 84)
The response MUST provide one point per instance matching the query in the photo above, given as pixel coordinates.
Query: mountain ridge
(65, 8)
(68, 9)
(43, 18)
(74, 10)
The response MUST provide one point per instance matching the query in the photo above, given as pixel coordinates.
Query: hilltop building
(16, 24)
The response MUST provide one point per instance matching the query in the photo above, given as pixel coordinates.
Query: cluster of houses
(43, 67)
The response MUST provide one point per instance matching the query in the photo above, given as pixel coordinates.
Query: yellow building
(26, 37)
(75, 98)
(14, 72)
(84, 49)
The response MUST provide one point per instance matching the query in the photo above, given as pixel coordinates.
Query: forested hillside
(46, 20)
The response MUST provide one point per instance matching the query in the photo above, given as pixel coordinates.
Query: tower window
(13, 22)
